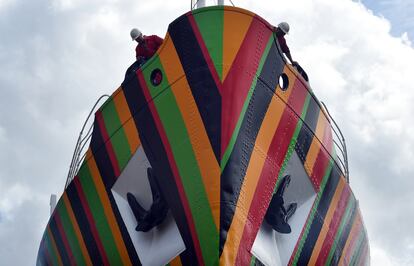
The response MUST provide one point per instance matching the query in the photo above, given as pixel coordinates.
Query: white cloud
(78, 50)
(12, 198)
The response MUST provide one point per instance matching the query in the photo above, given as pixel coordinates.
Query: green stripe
(233, 138)
(116, 133)
(345, 219)
(253, 261)
(188, 168)
(359, 247)
(211, 26)
(70, 233)
(121, 147)
(313, 212)
(52, 251)
(294, 139)
(97, 210)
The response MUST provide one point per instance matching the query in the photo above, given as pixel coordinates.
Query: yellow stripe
(127, 120)
(209, 167)
(77, 230)
(257, 160)
(327, 221)
(52, 239)
(97, 179)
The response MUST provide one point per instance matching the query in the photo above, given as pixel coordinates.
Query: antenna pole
(201, 3)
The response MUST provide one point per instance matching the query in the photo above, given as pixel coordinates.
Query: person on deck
(281, 30)
(147, 45)
(146, 48)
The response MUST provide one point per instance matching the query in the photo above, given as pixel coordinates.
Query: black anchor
(277, 216)
(156, 213)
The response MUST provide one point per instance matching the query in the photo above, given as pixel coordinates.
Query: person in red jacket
(146, 48)
(281, 30)
(147, 45)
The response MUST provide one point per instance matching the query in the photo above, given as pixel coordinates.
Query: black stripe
(102, 159)
(344, 236)
(96, 140)
(83, 224)
(124, 231)
(59, 241)
(312, 116)
(200, 79)
(319, 217)
(306, 133)
(135, 99)
(303, 143)
(157, 156)
(257, 262)
(43, 256)
(235, 169)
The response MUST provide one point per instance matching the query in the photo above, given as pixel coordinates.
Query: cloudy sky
(58, 56)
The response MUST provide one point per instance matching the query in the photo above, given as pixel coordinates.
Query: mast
(202, 3)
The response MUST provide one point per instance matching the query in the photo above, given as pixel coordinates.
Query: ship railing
(341, 160)
(81, 143)
(340, 145)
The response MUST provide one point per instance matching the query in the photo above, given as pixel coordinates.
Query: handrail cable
(81, 143)
(342, 140)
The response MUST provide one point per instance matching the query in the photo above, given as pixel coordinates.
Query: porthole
(156, 77)
(283, 82)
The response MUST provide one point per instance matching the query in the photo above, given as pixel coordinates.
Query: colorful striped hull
(219, 133)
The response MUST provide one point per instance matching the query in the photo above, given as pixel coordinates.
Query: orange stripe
(77, 230)
(321, 126)
(284, 95)
(315, 146)
(257, 160)
(176, 261)
(51, 238)
(344, 260)
(235, 27)
(97, 179)
(209, 168)
(327, 221)
(127, 120)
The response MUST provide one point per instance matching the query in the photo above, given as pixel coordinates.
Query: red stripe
(240, 77)
(333, 226)
(173, 165)
(64, 238)
(109, 148)
(323, 158)
(46, 254)
(327, 137)
(319, 168)
(91, 221)
(297, 97)
(205, 52)
(270, 171)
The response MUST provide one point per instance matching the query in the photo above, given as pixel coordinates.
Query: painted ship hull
(219, 132)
